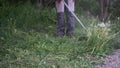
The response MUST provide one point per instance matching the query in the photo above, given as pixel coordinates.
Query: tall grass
(98, 39)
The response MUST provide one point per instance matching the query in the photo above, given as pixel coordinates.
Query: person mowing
(63, 28)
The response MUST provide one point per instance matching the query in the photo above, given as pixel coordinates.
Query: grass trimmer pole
(74, 15)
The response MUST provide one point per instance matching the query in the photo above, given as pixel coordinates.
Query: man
(62, 27)
(103, 9)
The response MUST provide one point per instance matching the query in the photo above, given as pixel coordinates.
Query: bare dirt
(110, 61)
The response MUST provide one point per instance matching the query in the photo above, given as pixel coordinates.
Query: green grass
(27, 40)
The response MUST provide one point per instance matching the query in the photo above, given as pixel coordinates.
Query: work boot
(70, 24)
(60, 29)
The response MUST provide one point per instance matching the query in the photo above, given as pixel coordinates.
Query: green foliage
(116, 29)
(27, 18)
(12, 2)
(93, 7)
(98, 39)
(114, 8)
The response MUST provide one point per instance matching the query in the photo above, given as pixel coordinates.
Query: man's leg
(70, 18)
(60, 29)
(104, 9)
(101, 4)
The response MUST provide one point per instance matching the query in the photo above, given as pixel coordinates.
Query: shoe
(102, 24)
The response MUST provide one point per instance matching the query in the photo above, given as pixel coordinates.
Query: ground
(110, 61)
